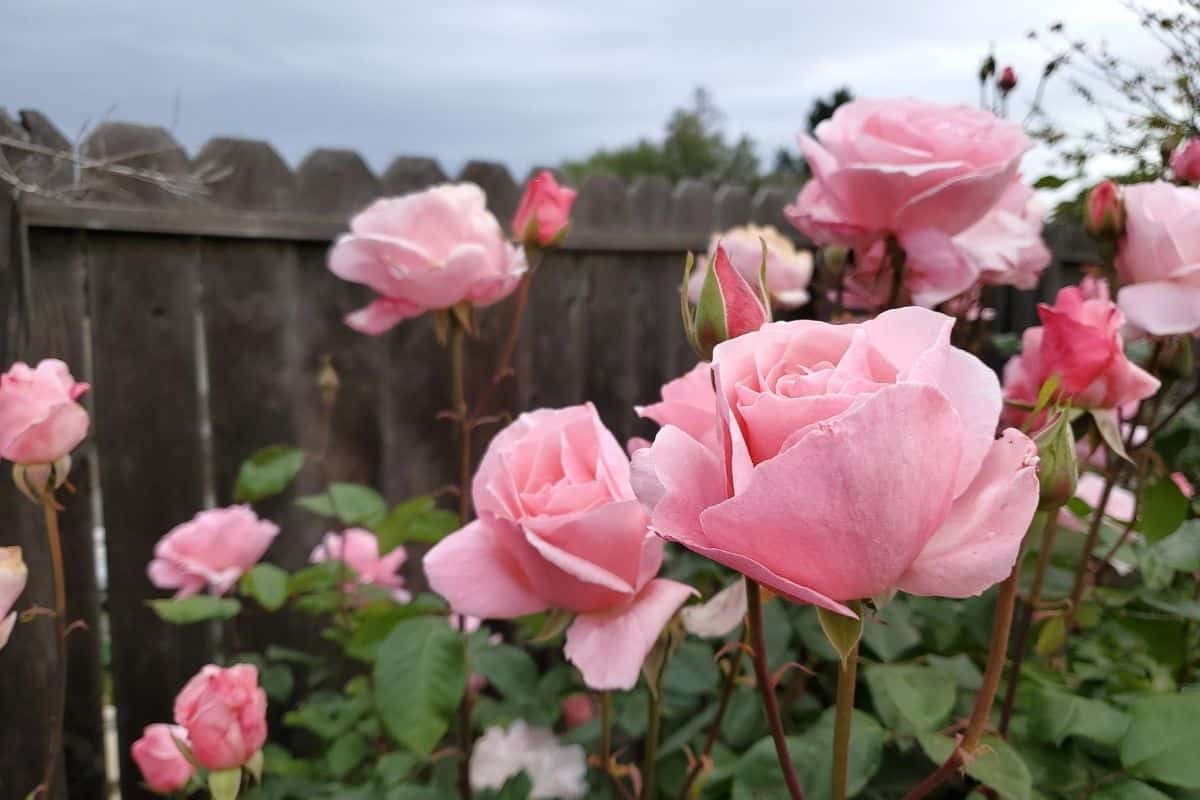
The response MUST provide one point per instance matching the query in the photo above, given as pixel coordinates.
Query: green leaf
(842, 632)
(891, 633)
(1050, 182)
(200, 608)
(1181, 550)
(346, 753)
(911, 698)
(1110, 431)
(1162, 510)
(1054, 715)
(415, 520)
(268, 584)
(510, 669)
(757, 775)
(1051, 636)
(996, 764)
(350, 503)
(325, 576)
(268, 472)
(420, 676)
(224, 784)
(1160, 744)
(1129, 790)
(392, 768)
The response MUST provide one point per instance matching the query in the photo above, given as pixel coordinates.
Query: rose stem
(714, 729)
(843, 717)
(606, 745)
(758, 647)
(459, 403)
(997, 652)
(50, 509)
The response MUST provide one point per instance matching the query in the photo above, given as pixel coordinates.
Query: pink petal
(1161, 308)
(601, 546)
(609, 647)
(6, 628)
(977, 545)
(377, 261)
(382, 315)
(477, 576)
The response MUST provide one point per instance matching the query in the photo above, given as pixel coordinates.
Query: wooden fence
(201, 322)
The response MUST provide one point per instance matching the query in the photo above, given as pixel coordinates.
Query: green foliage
(349, 503)
(420, 675)
(200, 608)
(266, 473)
(268, 584)
(415, 520)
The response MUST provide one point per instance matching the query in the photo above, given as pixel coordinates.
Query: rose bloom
(40, 420)
(165, 769)
(859, 459)
(214, 549)
(13, 574)
(1185, 161)
(425, 251)
(789, 271)
(1080, 341)
(689, 403)
(1158, 258)
(359, 550)
(1006, 244)
(901, 167)
(545, 210)
(225, 714)
(560, 528)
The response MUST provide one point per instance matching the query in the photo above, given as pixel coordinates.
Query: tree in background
(790, 167)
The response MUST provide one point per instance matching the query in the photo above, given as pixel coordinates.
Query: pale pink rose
(789, 271)
(1092, 287)
(578, 709)
(1006, 245)
(689, 403)
(545, 211)
(225, 714)
(425, 251)
(1158, 259)
(1185, 486)
(1079, 341)
(560, 528)
(13, 574)
(859, 459)
(899, 166)
(1120, 508)
(40, 422)
(1185, 161)
(165, 769)
(214, 549)
(359, 550)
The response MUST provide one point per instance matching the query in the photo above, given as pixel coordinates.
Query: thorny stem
(714, 729)
(843, 718)
(997, 654)
(1021, 638)
(606, 745)
(510, 344)
(1081, 569)
(650, 757)
(766, 687)
(459, 403)
(50, 511)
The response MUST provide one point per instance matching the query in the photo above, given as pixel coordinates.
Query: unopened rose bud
(729, 306)
(1105, 214)
(578, 709)
(987, 69)
(1185, 161)
(1058, 464)
(544, 214)
(1007, 80)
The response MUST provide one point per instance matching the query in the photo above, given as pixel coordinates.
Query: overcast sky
(519, 81)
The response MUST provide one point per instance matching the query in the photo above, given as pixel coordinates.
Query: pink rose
(359, 550)
(1185, 161)
(165, 769)
(1104, 216)
(688, 403)
(225, 714)
(13, 574)
(789, 271)
(903, 166)
(1006, 245)
(858, 459)
(40, 422)
(560, 528)
(578, 709)
(214, 549)
(1079, 341)
(425, 251)
(1158, 259)
(545, 211)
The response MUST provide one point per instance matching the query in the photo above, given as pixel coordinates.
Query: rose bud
(1105, 215)
(165, 769)
(1185, 161)
(40, 424)
(578, 709)
(13, 574)
(1007, 80)
(729, 306)
(225, 713)
(1058, 464)
(543, 216)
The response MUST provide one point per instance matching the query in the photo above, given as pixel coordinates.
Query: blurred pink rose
(165, 769)
(1079, 341)
(1185, 486)
(1121, 505)
(789, 271)
(40, 422)
(688, 403)
(1105, 213)
(214, 549)
(13, 574)
(545, 211)
(359, 550)
(902, 166)
(859, 459)
(560, 528)
(425, 251)
(1185, 161)
(225, 714)
(1158, 259)
(578, 709)
(1006, 245)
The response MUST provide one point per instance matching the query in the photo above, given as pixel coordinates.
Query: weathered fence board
(203, 322)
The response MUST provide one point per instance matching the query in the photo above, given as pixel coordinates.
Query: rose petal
(478, 577)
